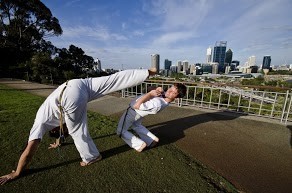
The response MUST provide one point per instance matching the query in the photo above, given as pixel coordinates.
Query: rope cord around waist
(62, 135)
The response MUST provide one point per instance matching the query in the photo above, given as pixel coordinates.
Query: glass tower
(167, 64)
(219, 54)
(266, 62)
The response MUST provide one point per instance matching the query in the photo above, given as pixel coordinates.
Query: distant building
(266, 62)
(206, 68)
(193, 69)
(228, 57)
(185, 66)
(167, 64)
(97, 65)
(236, 62)
(155, 61)
(215, 66)
(219, 53)
(173, 69)
(251, 61)
(179, 66)
(209, 55)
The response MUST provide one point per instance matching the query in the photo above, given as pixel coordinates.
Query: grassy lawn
(161, 169)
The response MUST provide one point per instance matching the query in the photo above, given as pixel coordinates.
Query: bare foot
(92, 161)
(142, 147)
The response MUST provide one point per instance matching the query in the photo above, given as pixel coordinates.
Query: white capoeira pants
(131, 119)
(74, 102)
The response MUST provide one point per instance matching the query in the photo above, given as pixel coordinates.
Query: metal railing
(272, 105)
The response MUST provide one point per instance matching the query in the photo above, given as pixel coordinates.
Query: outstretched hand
(53, 146)
(8, 177)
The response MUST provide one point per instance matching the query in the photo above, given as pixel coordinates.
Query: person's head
(177, 90)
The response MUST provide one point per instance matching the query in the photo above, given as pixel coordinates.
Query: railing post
(123, 93)
(239, 100)
(211, 97)
(284, 106)
(273, 107)
(261, 103)
(202, 98)
(195, 92)
(230, 91)
(219, 98)
(251, 92)
(288, 111)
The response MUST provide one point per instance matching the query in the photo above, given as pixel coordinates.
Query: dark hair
(181, 88)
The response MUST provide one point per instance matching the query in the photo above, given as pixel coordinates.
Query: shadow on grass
(115, 151)
(171, 131)
(42, 169)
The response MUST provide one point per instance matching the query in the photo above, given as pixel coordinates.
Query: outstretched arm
(23, 162)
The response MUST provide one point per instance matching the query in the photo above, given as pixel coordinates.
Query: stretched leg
(149, 138)
(123, 130)
(78, 129)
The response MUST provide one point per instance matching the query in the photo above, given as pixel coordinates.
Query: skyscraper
(266, 62)
(185, 66)
(251, 61)
(219, 54)
(155, 61)
(228, 57)
(179, 66)
(97, 65)
(167, 64)
(209, 55)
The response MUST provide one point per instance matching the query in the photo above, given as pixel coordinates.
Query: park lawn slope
(161, 169)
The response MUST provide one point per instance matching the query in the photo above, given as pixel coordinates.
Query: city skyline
(126, 34)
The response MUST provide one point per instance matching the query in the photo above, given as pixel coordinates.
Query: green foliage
(178, 76)
(280, 72)
(255, 81)
(25, 25)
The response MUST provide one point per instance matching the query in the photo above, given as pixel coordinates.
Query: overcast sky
(126, 32)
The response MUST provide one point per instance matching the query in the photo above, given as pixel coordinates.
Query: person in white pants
(73, 97)
(150, 103)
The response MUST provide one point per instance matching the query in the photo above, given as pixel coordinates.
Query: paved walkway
(254, 154)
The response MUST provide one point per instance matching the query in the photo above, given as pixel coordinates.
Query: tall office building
(266, 62)
(219, 53)
(228, 57)
(209, 55)
(97, 65)
(185, 66)
(167, 64)
(155, 61)
(179, 66)
(251, 61)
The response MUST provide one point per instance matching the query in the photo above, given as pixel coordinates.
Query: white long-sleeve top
(152, 106)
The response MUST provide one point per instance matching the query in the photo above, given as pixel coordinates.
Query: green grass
(161, 169)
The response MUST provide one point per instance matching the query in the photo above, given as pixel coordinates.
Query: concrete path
(254, 154)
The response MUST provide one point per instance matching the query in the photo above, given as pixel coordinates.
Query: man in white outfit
(68, 103)
(150, 103)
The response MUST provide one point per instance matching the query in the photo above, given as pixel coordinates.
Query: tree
(24, 26)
